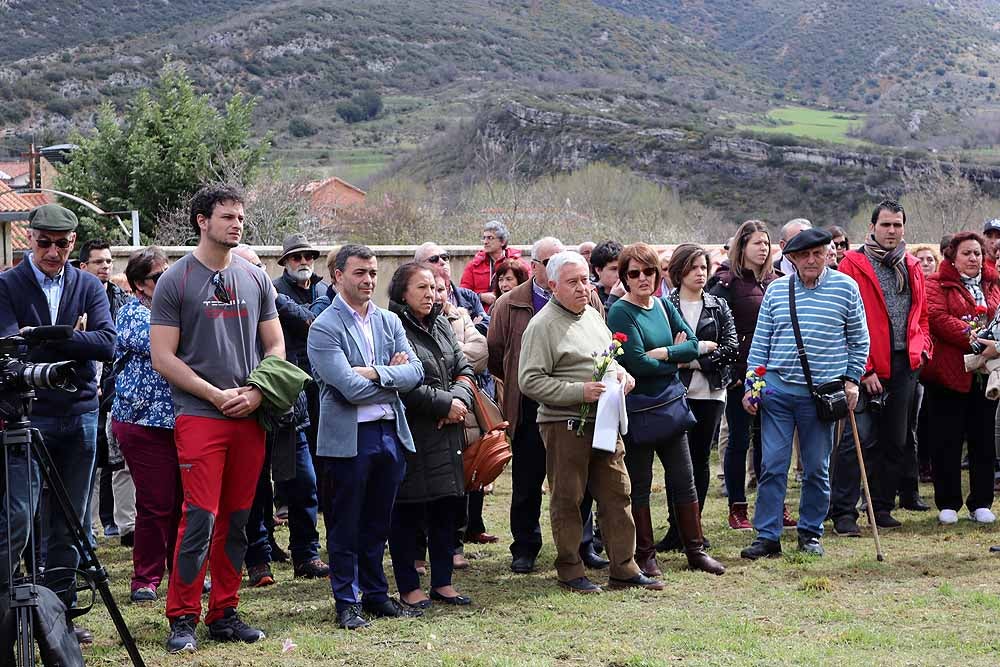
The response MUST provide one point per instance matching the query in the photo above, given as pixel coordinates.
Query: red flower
(980, 310)
(620, 337)
(760, 371)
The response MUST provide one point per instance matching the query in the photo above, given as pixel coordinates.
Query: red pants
(220, 460)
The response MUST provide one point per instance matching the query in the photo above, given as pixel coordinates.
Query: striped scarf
(974, 285)
(893, 259)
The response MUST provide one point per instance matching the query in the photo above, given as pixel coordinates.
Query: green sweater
(647, 330)
(556, 359)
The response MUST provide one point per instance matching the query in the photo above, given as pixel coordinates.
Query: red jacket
(476, 275)
(918, 338)
(947, 302)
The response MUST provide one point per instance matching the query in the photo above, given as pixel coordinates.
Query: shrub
(302, 127)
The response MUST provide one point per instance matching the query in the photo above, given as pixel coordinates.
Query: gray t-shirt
(218, 319)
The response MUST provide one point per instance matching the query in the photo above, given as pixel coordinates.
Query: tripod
(20, 439)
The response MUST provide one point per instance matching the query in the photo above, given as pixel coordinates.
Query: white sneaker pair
(980, 515)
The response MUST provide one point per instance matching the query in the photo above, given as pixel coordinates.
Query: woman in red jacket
(964, 292)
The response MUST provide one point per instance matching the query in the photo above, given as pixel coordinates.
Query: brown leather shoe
(645, 552)
(83, 635)
(689, 523)
(638, 581)
(459, 562)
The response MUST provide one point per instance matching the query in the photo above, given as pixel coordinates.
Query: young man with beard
(213, 321)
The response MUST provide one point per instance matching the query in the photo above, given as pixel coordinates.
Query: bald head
(247, 253)
(792, 228)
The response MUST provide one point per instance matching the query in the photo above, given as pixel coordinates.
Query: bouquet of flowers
(976, 322)
(602, 362)
(755, 385)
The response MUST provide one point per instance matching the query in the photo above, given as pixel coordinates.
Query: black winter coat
(435, 469)
(743, 295)
(715, 324)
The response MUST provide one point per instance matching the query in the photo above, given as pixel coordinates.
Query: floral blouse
(142, 396)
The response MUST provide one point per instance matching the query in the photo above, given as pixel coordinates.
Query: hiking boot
(260, 575)
(312, 569)
(181, 638)
(738, 518)
(787, 521)
(846, 526)
(230, 628)
(762, 548)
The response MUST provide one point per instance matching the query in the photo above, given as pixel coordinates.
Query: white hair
(561, 259)
(800, 223)
(423, 251)
(536, 247)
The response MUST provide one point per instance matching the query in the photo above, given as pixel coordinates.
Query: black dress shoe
(458, 600)
(886, 520)
(421, 604)
(592, 560)
(913, 502)
(761, 548)
(580, 585)
(350, 618)
(638, 581)
(390, 608)
(846, 526)
(522, 565)
(83, 635)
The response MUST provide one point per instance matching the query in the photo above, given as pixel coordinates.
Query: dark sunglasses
(649, 272)
(842, 245)
(62, 244)
(299, 256)
(155, 276)
(443, 257)
(543, 262)
(221, 293)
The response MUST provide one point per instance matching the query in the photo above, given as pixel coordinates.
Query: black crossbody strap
(800, 346)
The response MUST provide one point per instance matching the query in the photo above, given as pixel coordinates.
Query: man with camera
(45, 289)
(830, 316)
(892, 288)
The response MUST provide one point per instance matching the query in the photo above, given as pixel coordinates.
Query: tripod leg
(88, 558)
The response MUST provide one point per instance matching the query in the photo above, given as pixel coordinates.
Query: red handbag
(485, 457)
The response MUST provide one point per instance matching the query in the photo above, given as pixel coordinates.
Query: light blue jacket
(334, 347)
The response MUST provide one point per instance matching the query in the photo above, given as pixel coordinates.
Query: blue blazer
(334, 347)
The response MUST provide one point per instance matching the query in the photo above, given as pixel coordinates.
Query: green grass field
(934, 601)
(831, 126)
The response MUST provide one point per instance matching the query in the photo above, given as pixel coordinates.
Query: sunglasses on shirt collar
(221, 293)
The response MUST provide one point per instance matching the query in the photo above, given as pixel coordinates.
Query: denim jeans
(303, 507)
(741, 427)
(72, 443)
(782, 414)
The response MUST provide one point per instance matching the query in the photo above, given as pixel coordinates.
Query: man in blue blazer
(362, 361)
(44, 289)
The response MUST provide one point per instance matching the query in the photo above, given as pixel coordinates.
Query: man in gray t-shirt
(213, 320)
(218, 313)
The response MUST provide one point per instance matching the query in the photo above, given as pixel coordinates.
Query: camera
(20, 377)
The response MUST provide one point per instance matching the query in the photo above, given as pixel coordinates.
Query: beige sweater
(557, 359)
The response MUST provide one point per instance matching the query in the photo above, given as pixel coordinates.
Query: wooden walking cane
(864, 484)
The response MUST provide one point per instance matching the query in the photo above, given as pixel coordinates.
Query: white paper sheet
(611, 418)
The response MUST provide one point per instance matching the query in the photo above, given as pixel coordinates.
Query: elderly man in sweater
(556, 369)
(831, 317)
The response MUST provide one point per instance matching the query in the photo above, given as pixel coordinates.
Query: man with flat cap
(44, 290)
(831, 318)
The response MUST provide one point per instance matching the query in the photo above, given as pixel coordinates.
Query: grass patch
(928, 604)
(830, 126)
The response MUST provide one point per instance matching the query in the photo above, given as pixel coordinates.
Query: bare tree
(939, 200)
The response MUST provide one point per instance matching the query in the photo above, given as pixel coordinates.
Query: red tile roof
(19, 236)
(13, 169)
(37, 198)
(12, 201)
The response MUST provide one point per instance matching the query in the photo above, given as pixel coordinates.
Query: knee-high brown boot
(645, 553)
(689, 524)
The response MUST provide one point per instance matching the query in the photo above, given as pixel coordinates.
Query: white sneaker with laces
(983, 515)
(948, 516)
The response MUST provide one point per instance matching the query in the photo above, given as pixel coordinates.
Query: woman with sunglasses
(142, 417)
(706, 377)
(658, 340)
(742, 285)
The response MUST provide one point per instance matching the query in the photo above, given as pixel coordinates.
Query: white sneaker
(948, 516)
(983, 515)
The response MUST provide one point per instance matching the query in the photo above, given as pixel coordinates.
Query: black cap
(807, 239)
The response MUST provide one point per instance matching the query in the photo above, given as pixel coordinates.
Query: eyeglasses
(543, 262)
(649, 272)
(488, 237)
(300, 256)
(221, 293)
(155, 276)
(841, 245)
(45, 243)
(443, 257)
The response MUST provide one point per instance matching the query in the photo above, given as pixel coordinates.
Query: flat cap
(52, 218)
(807, 239)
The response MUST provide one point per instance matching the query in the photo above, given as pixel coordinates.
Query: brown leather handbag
(485, 457)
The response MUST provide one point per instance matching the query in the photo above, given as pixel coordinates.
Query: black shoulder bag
(830, 397)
